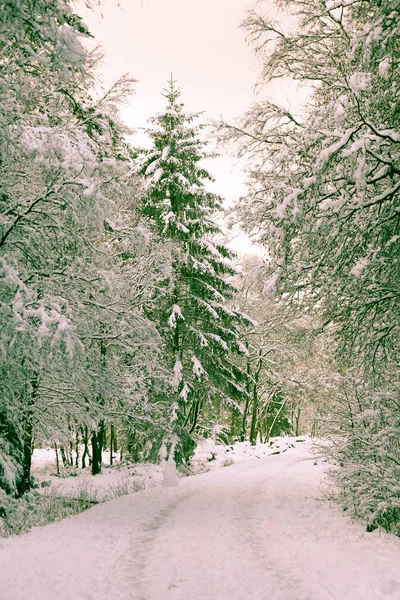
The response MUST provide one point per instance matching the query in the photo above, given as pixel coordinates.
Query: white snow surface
(112, 482)
(258, 529)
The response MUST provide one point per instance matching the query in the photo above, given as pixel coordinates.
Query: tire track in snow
(141, 545)
(253, 530)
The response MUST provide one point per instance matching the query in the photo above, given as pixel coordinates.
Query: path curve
(256, 530)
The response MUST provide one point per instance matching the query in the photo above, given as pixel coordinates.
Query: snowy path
(254, 530)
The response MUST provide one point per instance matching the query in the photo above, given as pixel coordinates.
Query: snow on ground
(122, 479)
(258, 529)
(210, 455)
(112, 482)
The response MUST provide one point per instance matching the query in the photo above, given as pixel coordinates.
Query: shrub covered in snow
(36, 510)
(367, 450)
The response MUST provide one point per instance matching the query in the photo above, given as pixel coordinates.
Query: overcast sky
(201, 43)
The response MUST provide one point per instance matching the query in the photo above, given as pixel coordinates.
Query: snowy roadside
(120, 480)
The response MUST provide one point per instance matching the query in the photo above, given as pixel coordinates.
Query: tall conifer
(200, 328)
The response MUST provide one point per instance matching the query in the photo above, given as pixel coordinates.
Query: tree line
(122, 325)
(324, 199)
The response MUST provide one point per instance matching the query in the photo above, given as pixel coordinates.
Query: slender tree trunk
(244, 421)
(64, 456)
(77, 449)
(57, 459)
(85, 437)
(192, 407)
(253, 428)
(261, 428)
(97, 448)
(112, 436)
(96, 467)
(70, 445)
(195, 416)
(98, 436)
(26, 472)
(298, 421)
(26, 481)
(275, 419)
(248, 390)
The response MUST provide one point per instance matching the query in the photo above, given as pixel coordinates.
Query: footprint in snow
(389, 587)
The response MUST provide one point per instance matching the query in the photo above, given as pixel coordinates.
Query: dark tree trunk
(112, 436)
(64, 456)
(190, 413)
(96, 464)
(77, 449)
(99, 435)
(26, 480)
(57, 459)
(97, 448)
(85, 438)
(195, 416)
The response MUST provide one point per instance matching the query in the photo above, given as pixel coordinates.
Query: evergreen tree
(200, 329)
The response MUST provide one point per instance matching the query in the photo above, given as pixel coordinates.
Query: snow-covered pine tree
(200, 328)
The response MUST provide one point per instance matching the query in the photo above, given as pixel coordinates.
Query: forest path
(254, 530)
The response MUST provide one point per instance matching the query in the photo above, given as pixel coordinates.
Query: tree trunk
(64, 456)
(77, 449)
(97, 448)
(275, 419)
(244, 421)
(71, 449)
(298, 421)
(248, 390)
(96, 467)
(254, 428)
(192, 407)
(196, 414)
(57, 459)
(112, 435)
(85, 438)
(26, 480)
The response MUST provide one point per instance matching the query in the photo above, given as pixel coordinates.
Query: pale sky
(200, 42)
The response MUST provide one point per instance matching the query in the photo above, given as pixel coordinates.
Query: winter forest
(133, 337)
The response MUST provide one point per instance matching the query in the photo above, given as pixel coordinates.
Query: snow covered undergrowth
(258, 529)
(120, 480)
(110, 483)
(209, 455)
